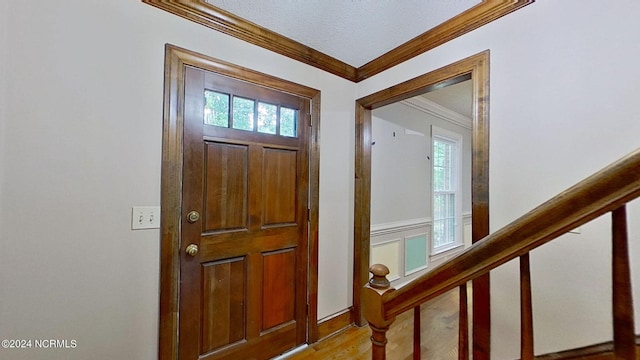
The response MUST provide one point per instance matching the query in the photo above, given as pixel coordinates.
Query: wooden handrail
(603, 192)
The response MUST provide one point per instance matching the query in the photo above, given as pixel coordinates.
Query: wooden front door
(244, 243)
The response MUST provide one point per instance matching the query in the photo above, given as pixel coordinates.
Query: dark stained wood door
(243, 290)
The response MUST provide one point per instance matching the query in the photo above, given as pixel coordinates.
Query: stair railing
(606, 191)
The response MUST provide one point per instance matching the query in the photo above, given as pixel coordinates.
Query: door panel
(279, 189)
(278, 297)
(223, 287)
(243, 294)
(226, 186)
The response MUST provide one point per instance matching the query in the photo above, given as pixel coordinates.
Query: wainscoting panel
(415, 253)
(403, 247)
(388, 253)
(466, 229)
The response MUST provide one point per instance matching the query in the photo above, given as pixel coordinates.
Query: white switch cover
(145, 217)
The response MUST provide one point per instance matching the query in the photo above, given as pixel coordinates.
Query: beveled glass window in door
(229, 111)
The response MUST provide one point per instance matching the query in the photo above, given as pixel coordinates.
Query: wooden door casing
(177, 60)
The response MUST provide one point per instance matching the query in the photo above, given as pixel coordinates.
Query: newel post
(373, 309)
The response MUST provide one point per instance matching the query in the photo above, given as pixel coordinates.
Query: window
(231, 111)
(288, 122)
(216, 109)
(242, 113)
(447, 215)
(267, 118)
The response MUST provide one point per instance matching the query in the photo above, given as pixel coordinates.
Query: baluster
(416, 333)
(526, 310)
(378, 342)
(463, 325)
(373, 309)
(623, 320)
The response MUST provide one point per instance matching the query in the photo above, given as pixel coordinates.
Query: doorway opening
(421, 180)
(475, 69)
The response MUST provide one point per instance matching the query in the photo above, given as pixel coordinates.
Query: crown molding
(477, 16)
(439, 111)
(225, 22)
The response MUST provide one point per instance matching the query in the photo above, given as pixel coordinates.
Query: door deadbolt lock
(192, 250)
(193, 216)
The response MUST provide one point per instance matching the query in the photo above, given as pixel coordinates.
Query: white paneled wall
(403, 247)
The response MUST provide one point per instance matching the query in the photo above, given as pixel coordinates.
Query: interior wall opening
(475, 69)
(421, 179)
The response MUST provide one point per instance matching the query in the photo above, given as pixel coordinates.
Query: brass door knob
(192, 250)
(193, 216)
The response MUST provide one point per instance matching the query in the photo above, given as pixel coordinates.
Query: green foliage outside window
(243, 113)
(239, 114)
(288, 122)
(267, 118)
(216, 108)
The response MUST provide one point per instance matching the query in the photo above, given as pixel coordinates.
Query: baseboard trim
(588, 352)
(335, 323)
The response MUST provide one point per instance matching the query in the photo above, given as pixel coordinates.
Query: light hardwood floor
(439, 336)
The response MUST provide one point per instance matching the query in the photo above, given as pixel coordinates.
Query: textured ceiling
(354, 31)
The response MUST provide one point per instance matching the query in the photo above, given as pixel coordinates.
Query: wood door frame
(171, 185)
(478, 67)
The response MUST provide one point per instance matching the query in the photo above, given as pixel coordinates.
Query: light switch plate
(145, 217)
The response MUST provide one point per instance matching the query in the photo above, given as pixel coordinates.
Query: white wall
(383, 207)
(401, 183)
(564, 88)
(81, 144)
(400, 174)
(3, 87)
(4, 4)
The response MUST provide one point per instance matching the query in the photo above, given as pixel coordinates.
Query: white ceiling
(354, 31)
(357, 31)
(457, 98)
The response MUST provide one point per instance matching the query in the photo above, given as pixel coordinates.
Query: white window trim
(437, 132)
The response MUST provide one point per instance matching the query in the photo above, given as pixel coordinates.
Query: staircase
(607, 191)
